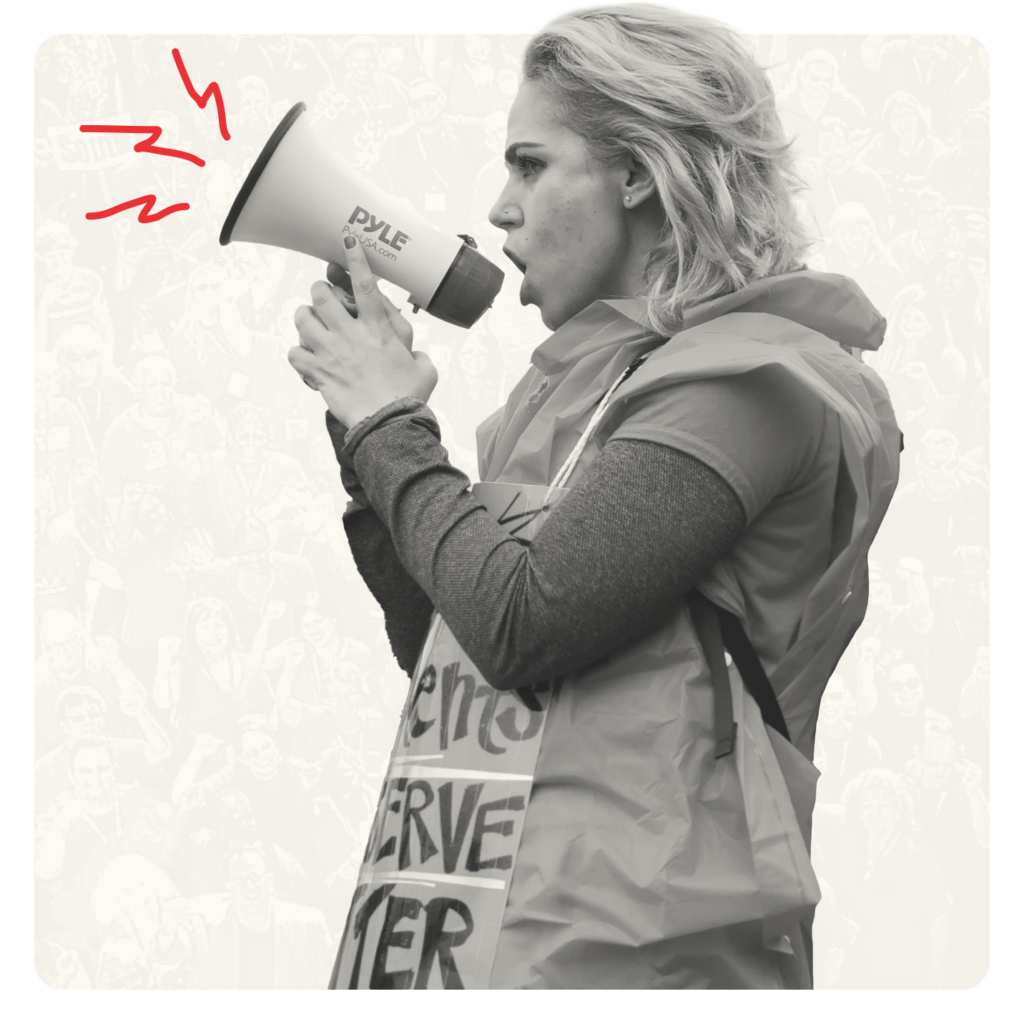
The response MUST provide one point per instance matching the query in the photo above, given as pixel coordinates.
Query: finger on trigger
(346, 298)
(338, 275)
(368, 298)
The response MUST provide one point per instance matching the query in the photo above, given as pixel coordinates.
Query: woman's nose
(505, 214)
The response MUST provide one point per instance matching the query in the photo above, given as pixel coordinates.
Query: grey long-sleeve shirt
(611, 563)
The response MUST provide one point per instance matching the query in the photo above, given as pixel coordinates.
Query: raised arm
(612, 562)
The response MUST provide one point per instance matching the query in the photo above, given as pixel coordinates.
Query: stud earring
(629, 199)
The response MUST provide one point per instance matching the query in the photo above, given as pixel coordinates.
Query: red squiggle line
(213, 89)
(145, 217)
(146, 145)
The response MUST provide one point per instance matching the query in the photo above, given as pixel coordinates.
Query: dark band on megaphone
(257, 169)
(470, 278)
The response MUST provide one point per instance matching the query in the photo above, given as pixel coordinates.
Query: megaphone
(300, 195)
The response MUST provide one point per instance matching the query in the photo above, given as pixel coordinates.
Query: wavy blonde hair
(683, 96)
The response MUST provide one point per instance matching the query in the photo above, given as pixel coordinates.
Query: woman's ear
(640, 183)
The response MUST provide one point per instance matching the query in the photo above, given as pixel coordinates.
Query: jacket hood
(830, 304)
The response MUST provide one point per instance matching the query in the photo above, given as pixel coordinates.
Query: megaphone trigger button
(337, 274)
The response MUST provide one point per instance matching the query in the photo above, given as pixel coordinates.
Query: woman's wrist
(355, 434)
(345, 441)
(349, 479)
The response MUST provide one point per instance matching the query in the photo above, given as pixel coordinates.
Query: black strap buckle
(719, 631)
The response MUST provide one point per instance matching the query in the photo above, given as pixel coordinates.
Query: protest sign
(74, 150)
(441, 853)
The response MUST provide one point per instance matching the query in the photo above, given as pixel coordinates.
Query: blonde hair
(683, 96)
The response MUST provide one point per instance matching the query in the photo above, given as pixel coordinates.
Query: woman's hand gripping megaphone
(356, 349)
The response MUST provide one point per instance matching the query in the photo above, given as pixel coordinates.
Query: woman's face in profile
(563, 212)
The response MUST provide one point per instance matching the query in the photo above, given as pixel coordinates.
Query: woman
(649, 198)
(217, 679)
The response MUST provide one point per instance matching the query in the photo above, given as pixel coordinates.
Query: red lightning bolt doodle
(146, 216)
(213, 89)
(145, 146)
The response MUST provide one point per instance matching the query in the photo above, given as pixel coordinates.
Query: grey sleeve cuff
(345, 443)
(357, 432)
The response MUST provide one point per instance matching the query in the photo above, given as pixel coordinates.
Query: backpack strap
(709, 632)
(719, 631)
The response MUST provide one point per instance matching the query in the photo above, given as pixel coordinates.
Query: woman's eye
(525, 165)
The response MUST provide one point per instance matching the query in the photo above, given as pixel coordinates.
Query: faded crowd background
(215, 698)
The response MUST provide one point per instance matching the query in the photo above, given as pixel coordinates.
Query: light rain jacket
(644, 862)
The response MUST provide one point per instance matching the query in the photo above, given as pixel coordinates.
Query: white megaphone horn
(301, 195)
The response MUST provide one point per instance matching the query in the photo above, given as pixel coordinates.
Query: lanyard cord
(570, 463)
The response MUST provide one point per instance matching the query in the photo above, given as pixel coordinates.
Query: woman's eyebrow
(510, 153)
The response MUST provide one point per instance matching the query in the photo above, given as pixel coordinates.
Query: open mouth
(520, 265)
